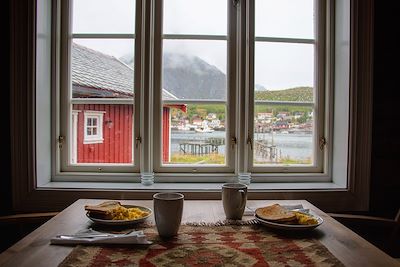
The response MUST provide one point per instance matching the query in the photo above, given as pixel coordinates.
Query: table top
(35, 248)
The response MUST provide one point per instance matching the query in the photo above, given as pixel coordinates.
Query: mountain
(292, 94)
(259, 87)
(189, 77)
(128, 60)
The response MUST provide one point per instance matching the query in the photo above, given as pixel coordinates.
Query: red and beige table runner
(245, 245)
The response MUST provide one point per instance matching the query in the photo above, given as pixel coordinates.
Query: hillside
(292, 94)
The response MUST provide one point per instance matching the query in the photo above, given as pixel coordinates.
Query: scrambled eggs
(305, 219)
(122, 213)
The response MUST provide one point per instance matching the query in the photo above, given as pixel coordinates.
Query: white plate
(121, 222)
(295, 227)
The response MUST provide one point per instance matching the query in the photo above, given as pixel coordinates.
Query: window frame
(28, 181)
(240, 23)
(97, 138)
(321, 89)
(230, 143)
(62, 20)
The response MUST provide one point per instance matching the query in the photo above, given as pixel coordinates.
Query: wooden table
(35, 249)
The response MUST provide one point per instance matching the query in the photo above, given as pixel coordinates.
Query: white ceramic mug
(168, 209)
(234, 196)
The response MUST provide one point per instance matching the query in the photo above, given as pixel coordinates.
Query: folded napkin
(94, 237)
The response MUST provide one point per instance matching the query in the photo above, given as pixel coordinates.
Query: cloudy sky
(277, 65)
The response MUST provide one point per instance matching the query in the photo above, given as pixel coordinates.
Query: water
(294, 145)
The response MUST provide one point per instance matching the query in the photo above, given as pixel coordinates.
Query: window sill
(93, 141)
(190, 187)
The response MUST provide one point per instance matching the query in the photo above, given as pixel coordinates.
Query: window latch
(233, 142)
(322, 142)
(250, 142)
(138, 141)
(60, 140)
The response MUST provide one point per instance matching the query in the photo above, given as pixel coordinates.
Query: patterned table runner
(249, 245)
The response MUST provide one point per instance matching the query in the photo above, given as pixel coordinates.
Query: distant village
(264, 122)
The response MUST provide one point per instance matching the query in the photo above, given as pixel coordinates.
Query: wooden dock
(266, 151)
(201, 147)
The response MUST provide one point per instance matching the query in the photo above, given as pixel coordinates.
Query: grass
(178, 158)
(287, 161)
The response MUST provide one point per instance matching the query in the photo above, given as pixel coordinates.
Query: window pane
(283, 132)
(102, 68)
(284, 18)
(283, 135)
(283, 65)
(89, 122)
(115, 146)
(207, 17)
(98, 71)
(103, 16)
(194, 134)
(194, 69)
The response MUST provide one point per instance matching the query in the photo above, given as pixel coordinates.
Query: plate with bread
(114, 213)
(280, 217)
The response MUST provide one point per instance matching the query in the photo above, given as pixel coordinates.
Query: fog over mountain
(189, 77)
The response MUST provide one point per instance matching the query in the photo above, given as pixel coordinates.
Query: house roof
(95, 74)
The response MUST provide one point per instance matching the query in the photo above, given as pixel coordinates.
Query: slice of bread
(275, 213)
(104, 209)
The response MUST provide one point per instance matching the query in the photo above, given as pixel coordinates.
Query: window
(288, 79)
(93, 129)
(43, 108)
(194, 46)
(98, 82)
(180, 100)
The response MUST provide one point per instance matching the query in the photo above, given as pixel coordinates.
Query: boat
(184, 128)
(204, 130)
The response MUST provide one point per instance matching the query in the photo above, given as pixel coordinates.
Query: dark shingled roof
(95, 74)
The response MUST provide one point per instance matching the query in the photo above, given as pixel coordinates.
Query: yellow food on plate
(305, 219)
(122, 213)
(279, 214)
(113, 210)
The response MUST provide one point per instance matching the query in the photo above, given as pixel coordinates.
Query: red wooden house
(102, 133)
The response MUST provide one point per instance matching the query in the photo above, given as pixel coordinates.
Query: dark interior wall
(385, 182)
(385, 178)
(5, 177)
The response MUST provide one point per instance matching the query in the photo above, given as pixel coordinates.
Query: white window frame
(321, 89)
(97, 138)
(240, 99)
(230, 103)
(33, 136)
(62, 41)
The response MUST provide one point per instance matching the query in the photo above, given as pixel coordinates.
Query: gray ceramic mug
(234, 196)
(168, 209)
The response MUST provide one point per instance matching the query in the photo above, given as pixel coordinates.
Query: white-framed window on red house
(93, 128)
